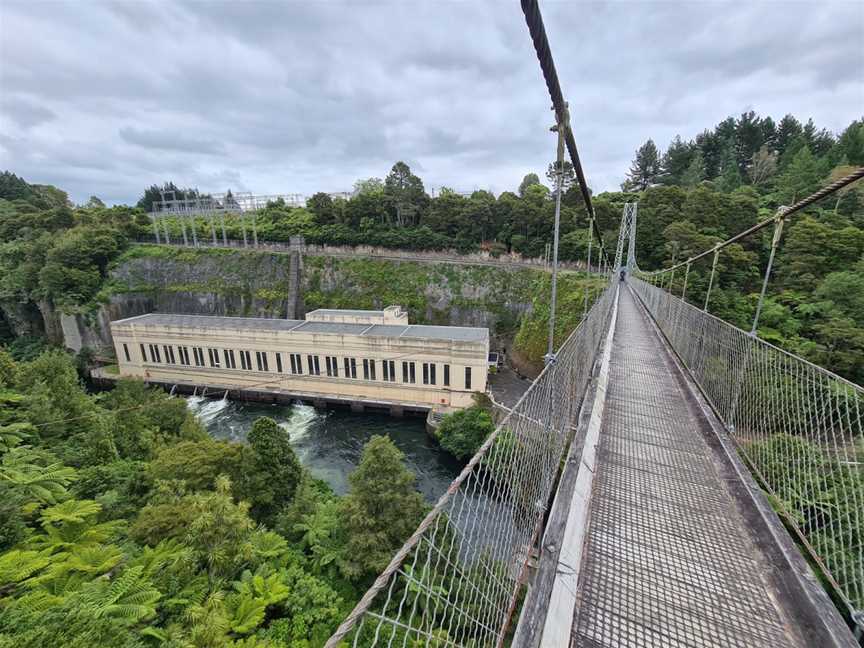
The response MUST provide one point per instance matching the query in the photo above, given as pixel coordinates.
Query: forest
(123, 524)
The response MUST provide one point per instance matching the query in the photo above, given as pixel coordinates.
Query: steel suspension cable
(544, 54)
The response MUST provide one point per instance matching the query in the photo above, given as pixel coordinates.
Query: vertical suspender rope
(711, 280)
(561, 129)
(686, 275)
(588, 268)
(775, 242)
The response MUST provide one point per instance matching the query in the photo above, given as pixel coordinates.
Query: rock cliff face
(262, 284)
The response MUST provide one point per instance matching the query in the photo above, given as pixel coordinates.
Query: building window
(214, 357)
(297, 363)
(446, 375)
(279, 362)
(408, 373)
(198, 352)
(154, 353)
(369, 369)
(184, 355)
(143, 353)
(169, 354)
(428, 373)
(467, 377)
(126, 352)
(261, 360)
(332, 366)
(230, 361)
(314, 365)
(245, 360)
(350, 368)
(389, 370)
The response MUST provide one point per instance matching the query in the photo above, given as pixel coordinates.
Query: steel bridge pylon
(627, 232)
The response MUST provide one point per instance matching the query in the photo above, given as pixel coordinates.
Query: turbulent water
(329, 443)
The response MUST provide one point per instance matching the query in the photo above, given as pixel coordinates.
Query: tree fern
(46, 483)
(246, 613)
(167, 553)
(95, 559)
(72, 525)
(70, 511)
(17, 566)
(267, 544)
(269, 589)
(131, 597)
(13, 434)
(209, 621)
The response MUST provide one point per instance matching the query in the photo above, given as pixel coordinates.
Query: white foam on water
(207, 409)
(300, 422)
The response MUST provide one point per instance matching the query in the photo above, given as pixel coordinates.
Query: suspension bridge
(654, 485)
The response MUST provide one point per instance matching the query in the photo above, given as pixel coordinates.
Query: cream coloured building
(366, 358)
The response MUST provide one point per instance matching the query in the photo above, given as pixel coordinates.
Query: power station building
(365, 358)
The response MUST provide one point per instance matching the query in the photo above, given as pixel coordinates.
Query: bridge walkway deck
(668, 559)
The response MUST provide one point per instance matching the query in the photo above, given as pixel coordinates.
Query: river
(329, 443)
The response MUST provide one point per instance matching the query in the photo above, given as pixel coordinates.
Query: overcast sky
(279, 97)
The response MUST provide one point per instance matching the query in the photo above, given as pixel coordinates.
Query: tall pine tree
(645, 169)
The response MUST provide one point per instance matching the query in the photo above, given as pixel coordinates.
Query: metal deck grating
(668, 560)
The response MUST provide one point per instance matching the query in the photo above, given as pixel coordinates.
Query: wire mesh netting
(800, 427)
(457, 580)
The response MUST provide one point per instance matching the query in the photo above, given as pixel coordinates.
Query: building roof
(417, 331)
(346, 311)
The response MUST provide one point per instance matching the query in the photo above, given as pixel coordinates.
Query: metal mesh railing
(457, 580)
(800, 427)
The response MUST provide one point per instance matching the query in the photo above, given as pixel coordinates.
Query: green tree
(199, 463)
(219, 531)
(462, 433)
(695, 172)
(405, 194)
(801, 178)
(676, 162)
(271, 470)
(645, 169)
(381, 510)
(529, 180)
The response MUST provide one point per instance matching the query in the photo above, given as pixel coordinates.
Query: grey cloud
(109, 97)
(23, 112)
(170, 140)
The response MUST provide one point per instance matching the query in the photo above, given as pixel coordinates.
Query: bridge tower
(628, 233)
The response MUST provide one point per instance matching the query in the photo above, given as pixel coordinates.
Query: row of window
(429, 371)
